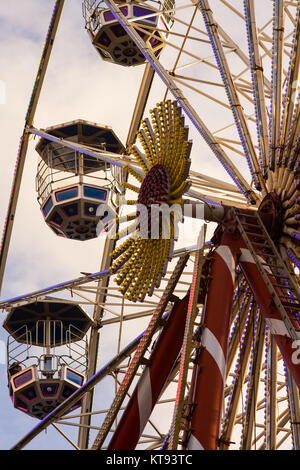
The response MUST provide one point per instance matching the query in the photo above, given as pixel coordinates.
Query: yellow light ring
(123, 258)
(149, 133)
(149, 150)
(126, 218)
(169, 160)
(178, 150)
(143, 262)
(118, 265)
(158, 132)
(139, 286)
(167, 228)
(127, 280)
(135, 292)
(179, 173)
(145, 146)
(127, 272)
(179, 201)
(164, 120)
(176, 177)
(135, 263)
(150, 248)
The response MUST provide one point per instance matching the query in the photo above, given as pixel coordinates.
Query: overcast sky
(78, 84)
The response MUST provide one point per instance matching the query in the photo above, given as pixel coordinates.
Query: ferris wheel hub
(40, 381)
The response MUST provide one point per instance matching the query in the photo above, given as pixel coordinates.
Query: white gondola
(47, 354)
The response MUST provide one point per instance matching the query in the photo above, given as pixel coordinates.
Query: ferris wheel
(171, 345)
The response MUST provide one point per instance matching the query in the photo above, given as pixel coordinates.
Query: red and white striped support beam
(210, 369)
(152, 380)
(271, 314)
